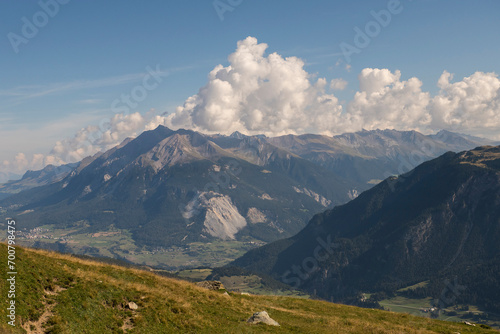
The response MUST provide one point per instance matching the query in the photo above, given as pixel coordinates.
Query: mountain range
(32, 179)
(181, 187)
(367, 157)
(171, 186)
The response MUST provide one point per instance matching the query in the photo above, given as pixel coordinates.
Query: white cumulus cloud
(86, 142)
(384, 101)
(258, 94)
(471, 105)
(338, 84)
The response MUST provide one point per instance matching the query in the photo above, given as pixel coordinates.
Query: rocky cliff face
(221, 219)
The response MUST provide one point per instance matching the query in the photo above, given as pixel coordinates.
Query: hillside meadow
(60, 293)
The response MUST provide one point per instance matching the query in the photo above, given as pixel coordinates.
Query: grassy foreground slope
(59, 293)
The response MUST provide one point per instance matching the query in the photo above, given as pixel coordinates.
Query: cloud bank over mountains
(269, 94)
(275, 95)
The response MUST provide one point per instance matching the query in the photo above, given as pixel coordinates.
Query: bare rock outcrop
(263, 317)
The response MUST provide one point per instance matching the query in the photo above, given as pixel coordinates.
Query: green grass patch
(415, 286)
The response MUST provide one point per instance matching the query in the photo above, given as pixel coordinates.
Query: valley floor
(118, 243)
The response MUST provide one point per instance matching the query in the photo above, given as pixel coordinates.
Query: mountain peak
(237, 135)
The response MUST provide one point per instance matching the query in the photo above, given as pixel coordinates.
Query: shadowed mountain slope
(440, 221)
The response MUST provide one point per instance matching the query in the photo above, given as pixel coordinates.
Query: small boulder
(263, 317)
(211, 285)
(132, 306)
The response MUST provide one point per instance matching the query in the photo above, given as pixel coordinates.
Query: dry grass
(480, 157)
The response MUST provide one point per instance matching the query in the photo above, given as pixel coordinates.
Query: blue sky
(68, 74)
